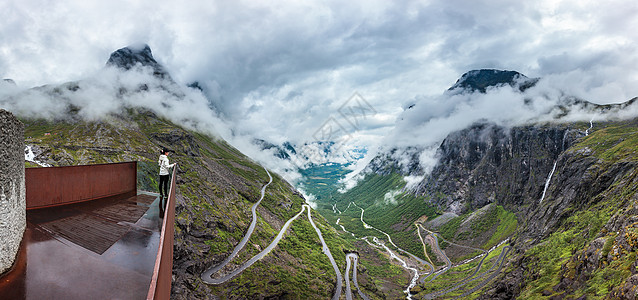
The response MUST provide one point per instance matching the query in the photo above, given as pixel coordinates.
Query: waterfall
(549, 178)
(30, 156)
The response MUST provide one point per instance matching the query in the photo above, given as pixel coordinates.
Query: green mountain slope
(217, 185)
(592, 251)
(124, 113)
(394, 216)
(577, 240)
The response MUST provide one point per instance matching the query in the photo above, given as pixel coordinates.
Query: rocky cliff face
(582, 229)
(402, 161)
(571, 185)
(12, 190)
(485, 163)
(137, 56)
(581, 240)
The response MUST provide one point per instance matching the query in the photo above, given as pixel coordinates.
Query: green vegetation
(216, 187)
(393, 215)
(450, 229)
(493, 221)
(561, 256)
(370, 191)
(397, 216)
(322, 180)
(551, 259)
(461, 273)
(615, 141)
(507, 225)
(28, 164)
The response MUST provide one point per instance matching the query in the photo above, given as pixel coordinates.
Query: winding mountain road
(351, 259)
(448, 263)
(326, 251)
(207, 275)
(429, 262)
(468, 279)
(354, 257)
(257, 257)
(343, 228)
(348, 289)
(499, 261)
(425, 252)
(484, 254)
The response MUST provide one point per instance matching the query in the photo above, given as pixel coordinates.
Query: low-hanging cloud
(277, 70)
(390, 197)
(431, 119)
(111, 91)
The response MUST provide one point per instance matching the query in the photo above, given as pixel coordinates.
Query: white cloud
(310, 198)
(412, 181)
(423, 127)
(110, 91)
(390, 197)
(279, 70)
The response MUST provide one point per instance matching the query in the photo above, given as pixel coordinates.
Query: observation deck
(91, 235)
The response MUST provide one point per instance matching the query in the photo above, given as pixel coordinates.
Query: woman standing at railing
(163, 179)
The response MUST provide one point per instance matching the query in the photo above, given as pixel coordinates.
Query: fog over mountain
(517, 102)
(470, 127)
(130, 78)
(278, 71)
(504, 98)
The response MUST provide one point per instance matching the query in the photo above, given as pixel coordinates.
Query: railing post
(162, 279)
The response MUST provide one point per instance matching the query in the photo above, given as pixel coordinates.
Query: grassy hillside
(216, 187)
(593, 253)
(483, 228)
(386, 208)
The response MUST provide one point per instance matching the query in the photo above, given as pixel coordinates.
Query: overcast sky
(280, 69)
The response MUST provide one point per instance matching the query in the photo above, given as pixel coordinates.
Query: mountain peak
(480, 80)
(128, 57)
(134, 55)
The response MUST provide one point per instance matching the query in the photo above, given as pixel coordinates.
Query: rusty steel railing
(162, 279)
(53, 186)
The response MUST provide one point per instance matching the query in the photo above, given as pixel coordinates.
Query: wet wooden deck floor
(102, 249)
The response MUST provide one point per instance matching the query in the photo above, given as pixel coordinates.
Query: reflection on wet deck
(102, 249)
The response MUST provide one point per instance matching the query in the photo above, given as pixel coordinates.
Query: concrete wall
(12, 189)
